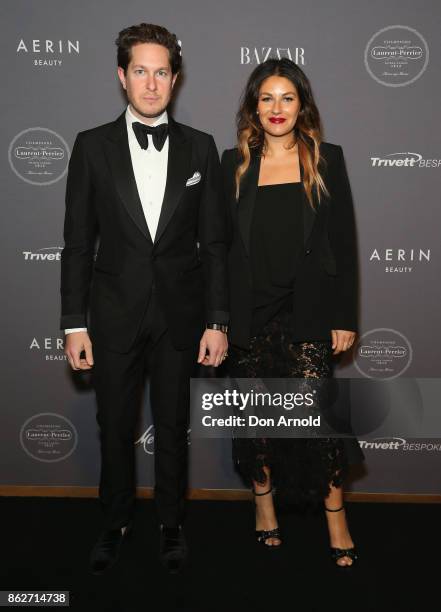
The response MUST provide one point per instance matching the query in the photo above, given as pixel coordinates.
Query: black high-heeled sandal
(262, 535)
(338, 553)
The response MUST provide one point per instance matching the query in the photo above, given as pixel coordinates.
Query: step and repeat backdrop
(375, 71)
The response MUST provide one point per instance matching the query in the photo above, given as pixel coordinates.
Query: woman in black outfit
(293, 285)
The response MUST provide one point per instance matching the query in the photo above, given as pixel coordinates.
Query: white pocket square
(193, 180)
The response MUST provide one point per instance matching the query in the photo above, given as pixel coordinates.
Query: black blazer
(325, 290)
(186, 263)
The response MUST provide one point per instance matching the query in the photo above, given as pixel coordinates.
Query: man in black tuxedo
(150, 188)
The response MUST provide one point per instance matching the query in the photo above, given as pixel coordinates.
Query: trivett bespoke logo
(44, 254)
(48, 53)
(383, 353)
(404, 160)
(48, 437)
(39, 156)
(257, 55)
(396, 56)
(398, 444)
(51, 348)
(400, 260)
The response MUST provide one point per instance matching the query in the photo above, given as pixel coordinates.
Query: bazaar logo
(257, 55)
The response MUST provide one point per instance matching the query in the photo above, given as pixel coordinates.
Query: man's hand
(342, 340)
(74, 344)
(212, 348)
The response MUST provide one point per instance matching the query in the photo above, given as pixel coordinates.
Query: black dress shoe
(172, 548)
(105, 553)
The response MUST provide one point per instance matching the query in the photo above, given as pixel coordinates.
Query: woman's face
(278, 105)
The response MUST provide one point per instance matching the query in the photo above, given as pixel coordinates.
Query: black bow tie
(159, 134)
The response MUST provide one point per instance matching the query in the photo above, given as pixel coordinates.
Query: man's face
(148, 80)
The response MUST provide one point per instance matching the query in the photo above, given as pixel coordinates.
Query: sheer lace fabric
(302, 469)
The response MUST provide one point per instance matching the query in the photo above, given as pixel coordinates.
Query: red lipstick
(277, 119)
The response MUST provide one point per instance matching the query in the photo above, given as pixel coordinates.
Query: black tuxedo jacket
(186, 263)
(325, 289)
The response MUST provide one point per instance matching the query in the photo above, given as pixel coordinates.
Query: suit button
(307, 252)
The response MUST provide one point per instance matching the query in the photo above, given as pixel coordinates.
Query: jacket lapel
(309, 215)
(178, 170)
(118, 154)
(247, 199)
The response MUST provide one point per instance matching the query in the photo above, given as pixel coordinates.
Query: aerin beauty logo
(383, 353)
(396, 56)
(47, 53)
(404, 160)
(48, 437)
(44, 254)
(257, 55)
(39, 156)
(400, 260)
(52, 349)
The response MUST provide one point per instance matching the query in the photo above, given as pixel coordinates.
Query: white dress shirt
(150, 170)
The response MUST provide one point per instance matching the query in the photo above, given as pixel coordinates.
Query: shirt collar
(131, 118)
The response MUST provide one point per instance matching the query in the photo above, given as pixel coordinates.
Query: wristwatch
(218, 327)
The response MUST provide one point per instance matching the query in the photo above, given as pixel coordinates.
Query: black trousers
(119, 381)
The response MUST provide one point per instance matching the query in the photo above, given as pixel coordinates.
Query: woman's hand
(213, 348)
(342, 340)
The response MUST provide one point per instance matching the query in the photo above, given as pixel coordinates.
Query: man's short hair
(148, 33)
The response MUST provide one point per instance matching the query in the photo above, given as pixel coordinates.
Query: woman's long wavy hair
(307, 130)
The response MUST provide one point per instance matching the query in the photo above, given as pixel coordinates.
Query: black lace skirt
(302, 469)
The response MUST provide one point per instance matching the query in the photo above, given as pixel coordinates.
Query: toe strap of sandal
(263, 534)
(338, 553)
